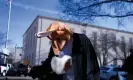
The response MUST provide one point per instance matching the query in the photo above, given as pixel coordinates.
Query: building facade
(16, 54)
(36, 50)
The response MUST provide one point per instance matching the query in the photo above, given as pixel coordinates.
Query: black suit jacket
(83, 57)
(128, 64)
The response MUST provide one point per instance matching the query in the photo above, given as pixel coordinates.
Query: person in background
(71, 56)
(128, 65)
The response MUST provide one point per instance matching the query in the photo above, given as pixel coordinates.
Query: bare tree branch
(104, 2)
(3, 39)
(90, 10)
(106, 41)
(113, 16)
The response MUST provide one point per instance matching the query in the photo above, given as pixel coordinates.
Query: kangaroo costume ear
(44, 34)
(58, 63)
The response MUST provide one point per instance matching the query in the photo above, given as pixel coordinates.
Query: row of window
(30, 57)
(30, 43)
(30, 38)
(94, 35)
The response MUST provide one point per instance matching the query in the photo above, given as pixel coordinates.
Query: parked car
(18, 70)
(4, 65)
(109, 72)
(12, 71)
(122, 75)
(4, 68)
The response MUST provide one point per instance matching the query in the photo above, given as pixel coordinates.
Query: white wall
(78, 29)
(16, 54)
(42, 46)
(30, 42)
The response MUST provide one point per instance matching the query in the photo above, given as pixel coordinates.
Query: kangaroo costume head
(59, 34)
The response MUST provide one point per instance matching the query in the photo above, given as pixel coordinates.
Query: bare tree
(115, 47)
(3, 39)
(105, 44)
(124, 48)
(94, 39)
(82, 10)
(102, 43)
(110, 48)
(121, 48)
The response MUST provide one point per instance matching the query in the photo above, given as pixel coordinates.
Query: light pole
(15, 53)
(8, 26)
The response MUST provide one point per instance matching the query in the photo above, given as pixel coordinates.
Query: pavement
(16, 78)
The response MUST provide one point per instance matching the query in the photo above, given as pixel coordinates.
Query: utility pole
(15, 53)
(8, 26)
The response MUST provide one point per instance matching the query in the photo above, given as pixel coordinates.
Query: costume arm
(40, 70)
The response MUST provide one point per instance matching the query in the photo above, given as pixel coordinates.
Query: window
(104, 68)
(94, 38)
(73, 29)
(32, 58)
(50, 42)
(123, 44)
(84, 24)
(130, 42)
(30, 38)
(35, 39)
(115, 61)
(83, 31)
(114, 41)
(94, 35)
(122, 38)
(113, 36)
(117, 69)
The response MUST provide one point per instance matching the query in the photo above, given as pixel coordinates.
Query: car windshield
(2, 58)
(3, 64)
(118, 69)
(104, 68)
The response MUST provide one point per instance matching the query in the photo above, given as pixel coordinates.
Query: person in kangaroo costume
(71, 56)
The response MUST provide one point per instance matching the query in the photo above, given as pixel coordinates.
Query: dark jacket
(128, 64)
(84, 60)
